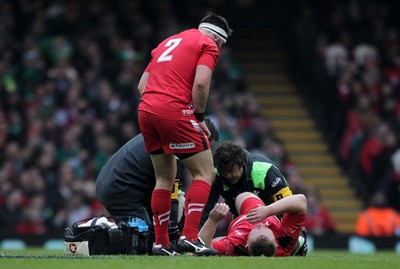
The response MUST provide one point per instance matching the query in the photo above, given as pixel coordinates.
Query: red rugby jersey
(172, 70)
(286, 233)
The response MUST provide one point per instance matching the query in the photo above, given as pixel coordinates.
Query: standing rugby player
(174, 89)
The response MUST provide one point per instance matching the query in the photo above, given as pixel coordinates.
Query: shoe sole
(208, 252)
(204, 252)
(199, 254)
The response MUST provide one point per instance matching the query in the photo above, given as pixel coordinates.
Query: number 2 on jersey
(171, 44)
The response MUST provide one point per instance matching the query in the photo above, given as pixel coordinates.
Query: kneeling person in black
(126, 182)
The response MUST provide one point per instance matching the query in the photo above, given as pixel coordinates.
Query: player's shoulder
(192, 33)
(202, 39)
(260, 158)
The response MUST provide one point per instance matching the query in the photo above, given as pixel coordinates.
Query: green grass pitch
(39, 258)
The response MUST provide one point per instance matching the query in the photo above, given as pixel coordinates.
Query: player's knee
(245, 195)
(241, 198)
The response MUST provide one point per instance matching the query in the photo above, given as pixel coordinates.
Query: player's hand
(203, 126)
(219, 212)
(257, 214)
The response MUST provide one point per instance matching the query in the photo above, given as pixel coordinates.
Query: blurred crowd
(68, 97)
(347, 63)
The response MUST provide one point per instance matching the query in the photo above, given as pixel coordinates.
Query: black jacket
(260, 176)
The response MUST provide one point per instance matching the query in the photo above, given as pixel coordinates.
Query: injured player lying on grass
(257, 231)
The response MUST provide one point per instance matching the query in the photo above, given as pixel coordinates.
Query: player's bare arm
(296, 203)
(200, 91)
(143, 82)
(201, 88)
(207, 232)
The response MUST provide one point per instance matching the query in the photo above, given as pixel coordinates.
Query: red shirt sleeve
(224, 247)
(210, 54)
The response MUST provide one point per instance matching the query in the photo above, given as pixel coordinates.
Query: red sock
(161, 207)
(196, 199)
